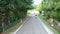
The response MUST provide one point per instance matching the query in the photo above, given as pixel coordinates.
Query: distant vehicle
(36, 15)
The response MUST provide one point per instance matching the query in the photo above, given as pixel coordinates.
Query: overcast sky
(36, 2)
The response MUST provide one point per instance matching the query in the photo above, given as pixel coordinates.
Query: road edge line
(46, 28)
(20, 26)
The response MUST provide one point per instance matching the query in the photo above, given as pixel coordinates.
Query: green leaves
(53, 6)
(13, 10)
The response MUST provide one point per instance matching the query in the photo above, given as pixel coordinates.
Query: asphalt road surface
(32, 26)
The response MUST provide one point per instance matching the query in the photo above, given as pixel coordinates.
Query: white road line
(20, 27)
(46, 28)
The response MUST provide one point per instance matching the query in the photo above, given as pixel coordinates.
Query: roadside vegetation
(48, 25)
(51, 10)
(11, 11)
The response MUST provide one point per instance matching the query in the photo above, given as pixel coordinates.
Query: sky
(36, 2)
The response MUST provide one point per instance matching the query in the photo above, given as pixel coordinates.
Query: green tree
(52, 8)
(13, 10)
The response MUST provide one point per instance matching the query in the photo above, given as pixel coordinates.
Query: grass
(13, 28)
(48, 25)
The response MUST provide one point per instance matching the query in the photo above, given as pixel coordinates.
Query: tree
(53, 7)
(13, 10)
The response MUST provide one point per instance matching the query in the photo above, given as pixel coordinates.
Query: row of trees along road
(12, 11)
(51, 8)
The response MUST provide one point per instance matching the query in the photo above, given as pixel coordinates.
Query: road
(32, 26)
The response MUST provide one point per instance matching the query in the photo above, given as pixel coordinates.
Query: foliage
(52, 8)
(13, 10)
